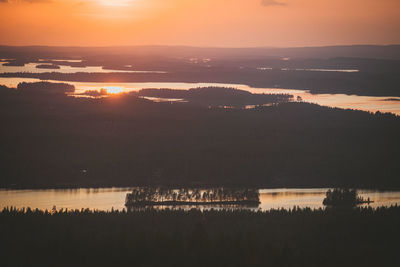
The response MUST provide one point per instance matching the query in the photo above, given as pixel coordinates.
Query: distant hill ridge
(357, 51)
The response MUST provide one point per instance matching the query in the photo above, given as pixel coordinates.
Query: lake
(108, 198)
(32, 68)
(365, 103)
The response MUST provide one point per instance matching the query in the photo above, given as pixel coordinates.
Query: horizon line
(201, 47)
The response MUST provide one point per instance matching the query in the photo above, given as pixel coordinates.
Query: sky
(216, 23)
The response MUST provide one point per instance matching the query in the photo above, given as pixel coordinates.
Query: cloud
(272, 3)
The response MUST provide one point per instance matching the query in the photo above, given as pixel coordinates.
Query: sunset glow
(199, 23)
(119, 3)
(114, 89)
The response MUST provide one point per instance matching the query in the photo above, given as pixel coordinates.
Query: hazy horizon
(201, 47)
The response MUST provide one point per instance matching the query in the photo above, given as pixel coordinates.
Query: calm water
(365, 103)
(108, 198)
(31, 67)
(317, 70)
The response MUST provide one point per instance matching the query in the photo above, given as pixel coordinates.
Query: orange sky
(232, 23)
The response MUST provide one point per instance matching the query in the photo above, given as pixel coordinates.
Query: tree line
(143, 196)
(149, 237)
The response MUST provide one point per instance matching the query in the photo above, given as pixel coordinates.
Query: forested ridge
(296, 237)
(51, 140)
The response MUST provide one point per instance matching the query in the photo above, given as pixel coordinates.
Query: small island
(149, 196)
(45, 88)
(48, 66)
(218, 96)
(344, 198)
(14, 63)
(95, 93)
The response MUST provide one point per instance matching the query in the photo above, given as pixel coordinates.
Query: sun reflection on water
(114, 89)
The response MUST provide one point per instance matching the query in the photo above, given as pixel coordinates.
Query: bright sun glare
(114, 89)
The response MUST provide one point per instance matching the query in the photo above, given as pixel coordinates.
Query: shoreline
(172, 186)
(193, 203)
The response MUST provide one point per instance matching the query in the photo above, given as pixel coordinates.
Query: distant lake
(316, 70)
(365, 103)
(32, 68)
(108, 198)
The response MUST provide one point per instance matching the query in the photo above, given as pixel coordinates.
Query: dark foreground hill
(50, 140)
(361, 237)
